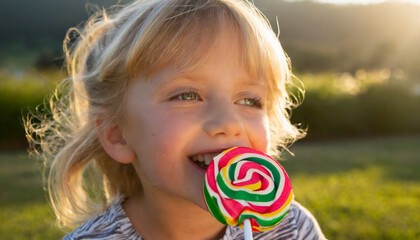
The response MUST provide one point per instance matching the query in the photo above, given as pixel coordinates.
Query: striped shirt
(114, 224)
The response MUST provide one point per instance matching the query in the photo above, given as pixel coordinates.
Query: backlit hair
(113, 48)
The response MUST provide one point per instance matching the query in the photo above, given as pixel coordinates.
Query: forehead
(185, 45)
(220, 51)
(225, 44)
(225, 53)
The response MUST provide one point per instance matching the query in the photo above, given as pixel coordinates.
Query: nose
(222, 120)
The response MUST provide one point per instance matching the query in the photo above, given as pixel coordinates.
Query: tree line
(318, 37)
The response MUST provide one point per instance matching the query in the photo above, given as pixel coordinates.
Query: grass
(24, 210)
(360, 189)
(357, 189)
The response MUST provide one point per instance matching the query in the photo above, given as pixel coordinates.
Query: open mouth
(203, 160)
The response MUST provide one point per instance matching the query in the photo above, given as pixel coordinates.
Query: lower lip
(196, 166)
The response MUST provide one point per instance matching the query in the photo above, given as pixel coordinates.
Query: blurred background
(357, 169)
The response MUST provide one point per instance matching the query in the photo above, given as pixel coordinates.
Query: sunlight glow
(364, 2)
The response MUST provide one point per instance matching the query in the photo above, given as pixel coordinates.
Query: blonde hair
(113, 48)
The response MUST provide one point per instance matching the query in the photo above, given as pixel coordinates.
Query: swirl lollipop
(246, 184)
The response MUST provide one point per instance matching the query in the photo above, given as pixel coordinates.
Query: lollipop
(246, 184)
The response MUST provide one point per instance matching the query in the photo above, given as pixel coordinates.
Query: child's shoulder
(297, 224)
(113, 224)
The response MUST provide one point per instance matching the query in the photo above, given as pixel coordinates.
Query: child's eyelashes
(194, 95)
(190, 95)
(251, 102)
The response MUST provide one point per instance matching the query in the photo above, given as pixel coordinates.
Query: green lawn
(357, 189)
(360, 189)
(24, 211)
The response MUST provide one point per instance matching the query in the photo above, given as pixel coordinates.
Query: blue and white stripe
(298, 224)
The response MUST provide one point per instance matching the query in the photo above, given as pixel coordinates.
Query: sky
(363, 1)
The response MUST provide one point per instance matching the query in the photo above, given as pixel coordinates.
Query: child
(157, 89)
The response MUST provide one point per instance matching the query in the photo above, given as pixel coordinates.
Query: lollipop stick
(247, 230)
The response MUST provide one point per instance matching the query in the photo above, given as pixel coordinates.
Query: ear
(113, 142)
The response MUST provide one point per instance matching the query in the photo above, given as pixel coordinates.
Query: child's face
(174, 116)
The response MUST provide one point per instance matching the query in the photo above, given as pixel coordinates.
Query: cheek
(259, 133)
(157, 140)
(158, 134)
(168, 131)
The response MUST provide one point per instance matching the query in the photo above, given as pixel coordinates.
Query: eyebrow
(190, 76)
(200, 78)
(175, 79)
(257, 83)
